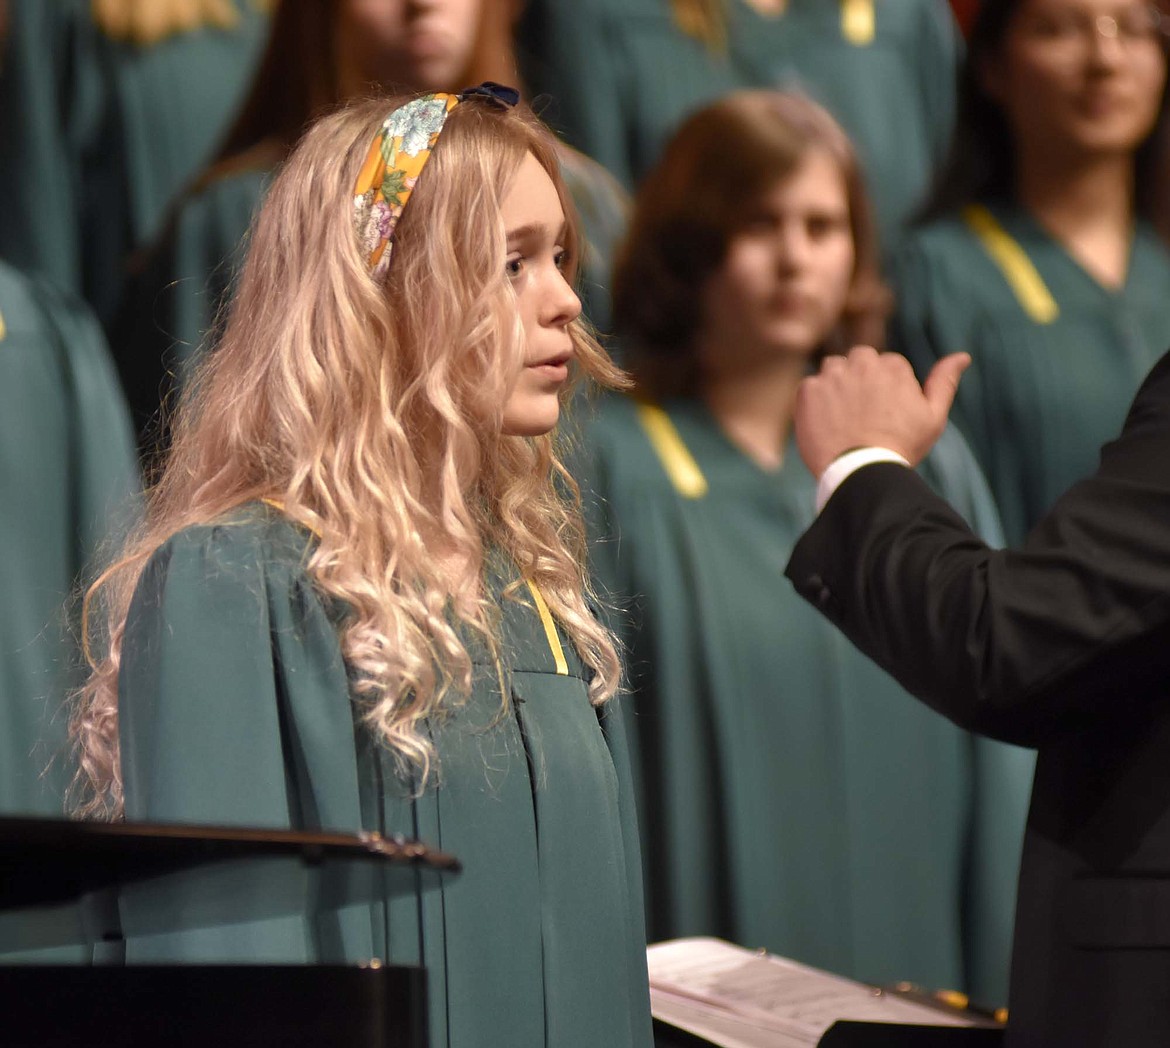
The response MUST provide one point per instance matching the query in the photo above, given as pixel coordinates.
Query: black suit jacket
(1063, 645)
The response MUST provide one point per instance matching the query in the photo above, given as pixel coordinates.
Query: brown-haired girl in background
(794, 796)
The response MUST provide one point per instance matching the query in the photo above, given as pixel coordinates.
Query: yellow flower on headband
(397, 155)
(401, 147)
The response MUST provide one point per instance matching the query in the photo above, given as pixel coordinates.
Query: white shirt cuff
(843, 465)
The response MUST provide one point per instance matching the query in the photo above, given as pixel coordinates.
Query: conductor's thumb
(942, 383)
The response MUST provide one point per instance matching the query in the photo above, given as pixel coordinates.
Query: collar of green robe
(402, 146)
(146, 23)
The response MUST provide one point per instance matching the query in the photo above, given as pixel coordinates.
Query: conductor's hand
(871, 399)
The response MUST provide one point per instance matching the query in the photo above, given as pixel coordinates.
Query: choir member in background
(1044, 253)
(107, 108)
(793, 797)
(621, 75)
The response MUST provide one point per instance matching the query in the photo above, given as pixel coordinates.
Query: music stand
(48, 865)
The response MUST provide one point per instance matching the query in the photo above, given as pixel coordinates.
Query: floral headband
(396, 158)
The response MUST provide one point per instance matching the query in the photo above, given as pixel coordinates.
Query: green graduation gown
(99, 135)
(172, 306)
(794, 797)
(235, 708)
(1057, 356)
(67, 473)
(621, 75)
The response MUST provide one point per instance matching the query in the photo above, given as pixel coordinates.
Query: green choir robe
(1057, 357)
(620, 76)
(603, 207)
(67, 475)
(99, 135)
(235, 708)
(793, 796)
(172, 306)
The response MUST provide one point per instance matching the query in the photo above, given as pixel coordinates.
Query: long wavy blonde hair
(373, 416)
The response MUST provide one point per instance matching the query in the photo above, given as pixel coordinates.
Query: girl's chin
(530, 424)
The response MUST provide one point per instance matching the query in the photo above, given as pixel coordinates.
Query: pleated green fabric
(793, 796)
(68, 483)
(620, 75)
(101, 134)
(236, 708)
(67, 475)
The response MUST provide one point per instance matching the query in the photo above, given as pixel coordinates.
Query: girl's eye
(561, 259)
(818, 226)
(821, 226)
(514, 267)
(1059, 26)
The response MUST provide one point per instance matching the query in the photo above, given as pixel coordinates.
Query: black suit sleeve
(1022, 645)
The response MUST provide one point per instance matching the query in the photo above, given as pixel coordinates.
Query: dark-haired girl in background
(323, 53)
(1045, 251)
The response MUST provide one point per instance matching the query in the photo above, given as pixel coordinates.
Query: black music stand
(48, 865)
(846, 1034)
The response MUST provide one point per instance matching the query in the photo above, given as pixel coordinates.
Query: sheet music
(740, 999)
